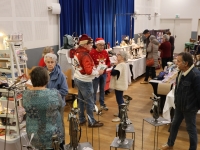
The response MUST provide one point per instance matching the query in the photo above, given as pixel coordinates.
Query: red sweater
(165, 48)
(41, 62)
(100, 57)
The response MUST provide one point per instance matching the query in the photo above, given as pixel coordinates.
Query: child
(119, 81)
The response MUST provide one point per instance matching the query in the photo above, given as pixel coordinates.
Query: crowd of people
(44, 102)
(186, 95)
(166, 49)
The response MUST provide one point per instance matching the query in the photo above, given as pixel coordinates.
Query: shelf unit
(12, 117)
(12, 64)
(13, 59)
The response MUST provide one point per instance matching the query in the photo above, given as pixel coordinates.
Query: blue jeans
(190, 120)
(119, 98)
(85, 99)
(101, 81)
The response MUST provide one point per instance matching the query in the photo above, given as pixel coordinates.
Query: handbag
(150, 61)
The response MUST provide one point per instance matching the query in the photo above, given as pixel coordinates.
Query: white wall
(198, 28)
(187, 9)
(147, 7)
(30, 17)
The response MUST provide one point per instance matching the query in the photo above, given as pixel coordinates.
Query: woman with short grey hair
(166, 37)
(50, 55)
(165, 50)
(57, 78)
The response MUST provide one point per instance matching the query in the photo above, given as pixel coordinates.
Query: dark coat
(187, 91)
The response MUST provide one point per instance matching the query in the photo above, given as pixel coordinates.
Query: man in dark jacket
(187, 100)
(147, 34)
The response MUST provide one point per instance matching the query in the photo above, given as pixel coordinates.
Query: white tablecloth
(116, 49)
(139, 66)
(169, 103)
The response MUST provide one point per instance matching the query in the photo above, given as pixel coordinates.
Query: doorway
(180, 29)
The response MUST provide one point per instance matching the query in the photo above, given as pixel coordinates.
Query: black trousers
(164, 62)
(153, 73)
(172, 53)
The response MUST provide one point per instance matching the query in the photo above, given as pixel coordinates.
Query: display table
(169, 104)
(139, 66)
(116, 49)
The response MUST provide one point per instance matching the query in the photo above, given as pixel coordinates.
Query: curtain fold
(96, 18)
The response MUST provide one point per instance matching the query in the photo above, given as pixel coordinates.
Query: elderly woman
(46, 50)
(165, 49)
(118, 81)
(152, 50)
(57, 78)
(43, 111)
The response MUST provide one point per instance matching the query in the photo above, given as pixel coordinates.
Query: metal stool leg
(154, 138)
(142, 132)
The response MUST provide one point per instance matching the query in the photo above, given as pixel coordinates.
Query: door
(180, 29)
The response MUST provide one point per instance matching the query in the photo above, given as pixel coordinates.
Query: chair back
(68, 75)
(164, 88)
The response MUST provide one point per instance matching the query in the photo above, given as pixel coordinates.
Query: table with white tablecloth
(169, 104)
(139, 66)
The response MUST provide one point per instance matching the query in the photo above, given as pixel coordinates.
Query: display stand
(129, 129)
(160, 122)
(12, 64)
(81, 146)
(115, 144)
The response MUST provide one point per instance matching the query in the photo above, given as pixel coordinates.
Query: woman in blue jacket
(57, 78)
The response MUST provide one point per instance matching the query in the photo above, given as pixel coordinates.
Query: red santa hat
(85, 39)
(99, 40)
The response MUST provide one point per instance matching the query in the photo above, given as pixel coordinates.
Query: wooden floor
(139, 109)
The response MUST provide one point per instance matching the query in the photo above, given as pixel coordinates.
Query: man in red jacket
(85, 72)
(100, 57)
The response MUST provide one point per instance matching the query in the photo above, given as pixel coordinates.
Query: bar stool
(115, 144)
(131, 142)
(160, 122)
(129, 129)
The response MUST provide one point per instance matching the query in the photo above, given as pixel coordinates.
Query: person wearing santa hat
(85, 72)
(100, 56)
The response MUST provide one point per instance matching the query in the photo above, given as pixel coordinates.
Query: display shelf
(9, 116)
(13, 40)
(5, 70)
(10, 100)
(21, 125)
(2, 58)
(11, 140)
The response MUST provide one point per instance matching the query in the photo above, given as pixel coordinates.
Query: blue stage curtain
(96, 18)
